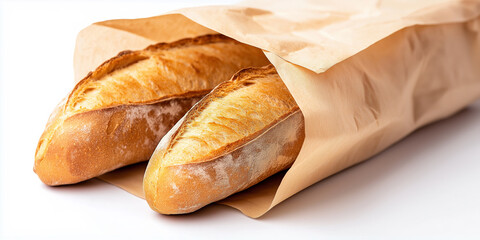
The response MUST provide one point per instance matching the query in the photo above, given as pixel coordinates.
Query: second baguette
(242, 132)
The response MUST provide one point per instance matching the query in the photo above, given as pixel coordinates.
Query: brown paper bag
(364, 73)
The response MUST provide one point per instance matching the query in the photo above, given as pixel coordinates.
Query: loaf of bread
(118, 113)
(242, 132)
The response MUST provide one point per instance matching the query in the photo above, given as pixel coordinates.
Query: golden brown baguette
(118, 113)
(242, 132)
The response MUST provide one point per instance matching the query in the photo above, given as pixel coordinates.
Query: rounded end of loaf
(175, 189)
(52, 170)
(71, 152)
(51, 164)
(166, 190)
(52, 173)
(169, 193)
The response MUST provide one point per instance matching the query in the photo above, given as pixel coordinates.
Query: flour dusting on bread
(244, 131)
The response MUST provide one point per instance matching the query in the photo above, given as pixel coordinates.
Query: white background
(426, 186)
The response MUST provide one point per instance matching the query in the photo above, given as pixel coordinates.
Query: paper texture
(364, 73)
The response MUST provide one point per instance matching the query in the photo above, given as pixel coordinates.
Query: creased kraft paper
(364, 73)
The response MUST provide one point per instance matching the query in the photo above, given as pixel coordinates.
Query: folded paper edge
(190, 14)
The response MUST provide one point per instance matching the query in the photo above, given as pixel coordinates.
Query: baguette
(118, 113)
(242, 132)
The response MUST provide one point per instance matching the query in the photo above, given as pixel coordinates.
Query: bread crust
(177, 187)
(116, 115)
(91, 143)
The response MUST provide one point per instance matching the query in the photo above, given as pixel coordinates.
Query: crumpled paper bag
(364, 73)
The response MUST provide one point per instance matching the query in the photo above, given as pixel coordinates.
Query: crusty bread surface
(118, 113)
(244, 131)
